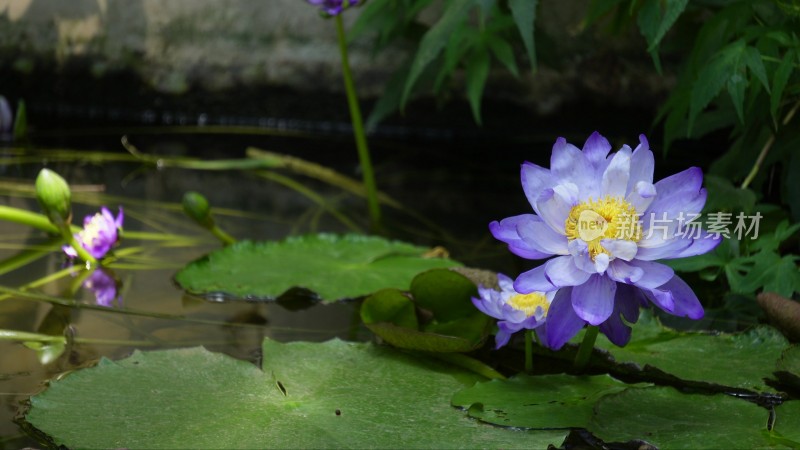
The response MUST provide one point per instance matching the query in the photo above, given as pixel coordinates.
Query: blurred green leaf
(779, 81)
(524, 13)
(713, 77)
(20, 122)
(656, 17)
(434, 41)
(724, 196)
(752, 59)
(783, 277)
(503, 52)
(389, 101)
(477, 71)
(736, 86)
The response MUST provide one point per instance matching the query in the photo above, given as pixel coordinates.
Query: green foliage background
(737, 66)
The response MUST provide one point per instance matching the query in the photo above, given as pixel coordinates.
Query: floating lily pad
(787, 424)
(740, 360)
(670, 419)
(724, 362)
(788, 367)
(547, 401)
(445, 293)
(309, 395)
(332, 266)
(443, 297)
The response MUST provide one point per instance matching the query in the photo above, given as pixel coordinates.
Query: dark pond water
(451, 181)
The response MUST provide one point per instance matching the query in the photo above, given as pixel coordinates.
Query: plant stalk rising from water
(334, 8)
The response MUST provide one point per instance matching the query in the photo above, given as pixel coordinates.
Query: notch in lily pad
(436, 315)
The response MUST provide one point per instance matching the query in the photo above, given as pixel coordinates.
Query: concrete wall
(175, 45)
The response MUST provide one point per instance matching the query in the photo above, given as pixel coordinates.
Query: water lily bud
(196, 206)
(54, 196)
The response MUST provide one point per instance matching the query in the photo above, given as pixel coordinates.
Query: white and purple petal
(615, 178)
(556, 203)
(507, 230)
(593, 301)
(562, 322)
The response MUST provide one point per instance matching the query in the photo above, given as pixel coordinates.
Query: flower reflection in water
(104, 286)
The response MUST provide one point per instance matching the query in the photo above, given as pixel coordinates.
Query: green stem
(528, 351)
(585, 350)
(28, 218)
(358, 130)
(226, 238)
(41, 222)
(82, 253)
(469, 363)
(767, 146)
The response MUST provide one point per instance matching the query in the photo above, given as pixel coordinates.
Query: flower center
(608, 218)
(92, 229)
(530, 303)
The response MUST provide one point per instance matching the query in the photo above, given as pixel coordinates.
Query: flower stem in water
(358, 130)
(585, 350)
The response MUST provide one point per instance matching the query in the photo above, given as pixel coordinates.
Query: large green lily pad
(309, 395)
(787, 424)
(547, 401)
(669, 419)
(741, 360)
(332, 266)
(788, 367)
(618, 412)
(718, 361)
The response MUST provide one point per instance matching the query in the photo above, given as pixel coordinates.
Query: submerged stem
(585, 350)
(358, 130)
(528, 351)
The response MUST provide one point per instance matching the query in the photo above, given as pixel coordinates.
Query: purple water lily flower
(104, 288)
(605, 221)
(516, 311)
(99, 235)
(334, 7)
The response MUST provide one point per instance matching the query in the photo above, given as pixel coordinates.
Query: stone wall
(214, 45)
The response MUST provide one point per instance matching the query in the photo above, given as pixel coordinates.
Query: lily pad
(723, 362)
(787, 424)
(332, 266)
(788, 367)
(547, 401)
(445, 293)
(740, 360)
(443, 298)
(309, 395)
(670, 419)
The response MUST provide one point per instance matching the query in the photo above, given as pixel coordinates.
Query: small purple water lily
(104, 288)
(99, 235)
(516, 311)
(605, 221)
(334, 7)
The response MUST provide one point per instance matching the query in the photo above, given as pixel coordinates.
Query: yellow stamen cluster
(606, 218)
(529, 303)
